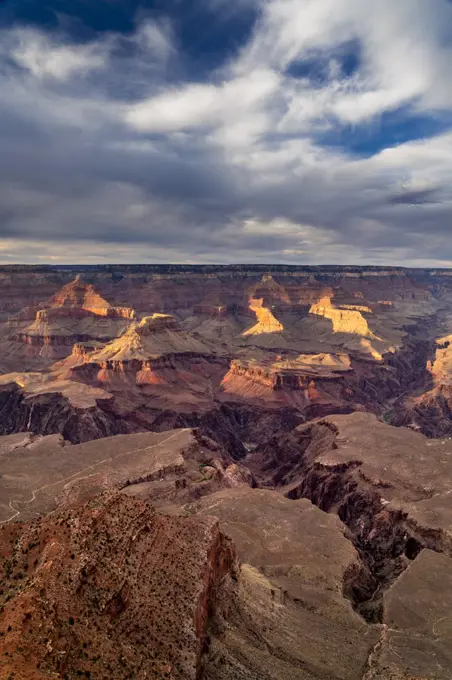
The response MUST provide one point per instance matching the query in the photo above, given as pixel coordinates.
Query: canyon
(225, 472)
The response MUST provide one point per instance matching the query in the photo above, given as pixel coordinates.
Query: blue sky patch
(320, 66)
(390, 129)
(206, 36)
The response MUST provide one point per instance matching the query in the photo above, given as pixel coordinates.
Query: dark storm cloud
(135, 136)
(416, 197)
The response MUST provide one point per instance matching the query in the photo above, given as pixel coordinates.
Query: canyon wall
(185, 339)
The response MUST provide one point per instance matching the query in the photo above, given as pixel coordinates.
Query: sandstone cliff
(347, 319)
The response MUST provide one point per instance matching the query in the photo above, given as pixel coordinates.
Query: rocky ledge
(110, 589)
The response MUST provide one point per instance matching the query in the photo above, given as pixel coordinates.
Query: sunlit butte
(344, 319)
(266, 321)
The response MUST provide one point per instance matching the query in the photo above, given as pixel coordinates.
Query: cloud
(111, 151)
(201, 105)
(36, 53)
(416, 197)
(405, 50)
(156, 38)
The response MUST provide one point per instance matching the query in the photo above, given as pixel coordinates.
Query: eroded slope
(109, 589)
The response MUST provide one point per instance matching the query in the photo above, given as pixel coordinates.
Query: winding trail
(79, 472)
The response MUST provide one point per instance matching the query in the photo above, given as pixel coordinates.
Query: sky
(221, 131)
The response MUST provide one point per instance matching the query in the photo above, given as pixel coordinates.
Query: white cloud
(35, 52)
(156, 38)
(403, 50)
(403, 62)
(200, 105)
(420, 166)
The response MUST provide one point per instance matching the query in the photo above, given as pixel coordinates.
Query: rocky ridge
(86, 588)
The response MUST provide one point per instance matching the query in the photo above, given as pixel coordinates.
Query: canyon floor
(225, 473)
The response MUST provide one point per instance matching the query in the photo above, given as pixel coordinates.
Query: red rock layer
(109, 589)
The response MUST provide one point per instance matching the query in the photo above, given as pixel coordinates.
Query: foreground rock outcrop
(110, 589)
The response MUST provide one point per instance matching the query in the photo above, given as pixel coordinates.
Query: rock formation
(288, 615)
(171, 467)
(389, 486)
(76, 313)
(175, 368)
(79, 297)
(266, 322)
(151, 338)
(346, 319)
(105, 585)
(110, 589)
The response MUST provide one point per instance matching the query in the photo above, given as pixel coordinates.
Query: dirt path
(79, 472)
